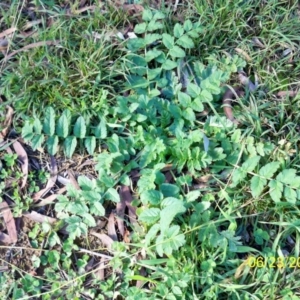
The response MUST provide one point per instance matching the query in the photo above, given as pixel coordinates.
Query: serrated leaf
(184, 99)
(86, 184)
(193, 90)
(88, 220)
(238, 175)
(290, 195)
(70, 144)
(168, 40)
(151, 54)
(177, 52)
(257, 185)
(90, 144)
(169, 65)
(101, 131)
(178, 30)
(188, 25)
(186, 42)
(276, 189)
(172, 207)
(52, 144)
(169, 241)
(269, 170)
(27, 131)
(150, 38)
(97, 209)
(250, 164)
(158, 15)
(169, 190)
(197, 105)
(151, 196)
(154, 25)
(150, 215)
(37, 126)
(295, 183)
(62, 126)
(192, 196)
(49, 121)
(286, 176)
(189, 114)
(147, 15)
(113, 195)
(140, 28)
(37, 141)
(80, 128)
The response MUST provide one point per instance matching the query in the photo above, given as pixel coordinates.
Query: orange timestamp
(273, 262)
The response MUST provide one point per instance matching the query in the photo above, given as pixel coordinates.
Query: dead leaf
(23, 158)
(100, 274)
(111, 230)
(9, 223)
(244, 54)
(120, 211)
(73, 180)
(31, 46)
(7, 122)
(8, 32)
(51, 198)
(36, 217)
(104, 238)
(287, 93)
(126, 195)
(51, 180)
(126, 237)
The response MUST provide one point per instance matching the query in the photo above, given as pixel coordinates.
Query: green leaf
(169, 241)
(238, 175)
(184, 99)
(210, 86)
(88, 220)
(112, 195)
(86, 184)
(27, 131)
(193, 90)
(276, 189)
(80, 128)
(250, 164)
(295, 183)
(151, 38)
(186, 42)
(135, 44)
(154, 25)
(257, 185)
(197, 105)
(151, 54)
(177, 52)
(286, 176)
(188, 25)
(169, 65)
(178, 30)
(49, 121)
(151, 196)
(147, 15)
(37, 126)
(158, 15)
(62, 127)
(52, 144)
(37, 141)
(101, 131)
(169, 190)
(150, 215)
(172, 207)
(192, 196)
(269, 170)
(70, 144)
(140, 28)
(97, 209)
(189, 114)
(290, 195)
(90, 144)
(168, 40)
